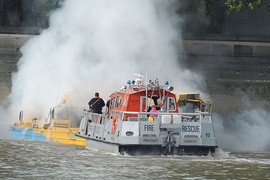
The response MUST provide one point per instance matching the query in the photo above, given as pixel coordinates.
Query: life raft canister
(114, 124)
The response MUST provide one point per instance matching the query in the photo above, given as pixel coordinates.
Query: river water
(41, 160)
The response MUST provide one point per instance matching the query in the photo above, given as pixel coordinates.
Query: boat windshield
(194, 106)
(167, 103)
(189, 107)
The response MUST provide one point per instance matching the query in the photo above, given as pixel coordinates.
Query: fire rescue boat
(54, 129)
(130, 126)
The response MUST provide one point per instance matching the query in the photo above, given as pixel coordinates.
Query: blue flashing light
(128, 82)
(166, 82)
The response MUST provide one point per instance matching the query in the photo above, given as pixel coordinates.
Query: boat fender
(114, 124)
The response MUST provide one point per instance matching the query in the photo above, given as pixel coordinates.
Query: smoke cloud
(97, 46)
(247, 130)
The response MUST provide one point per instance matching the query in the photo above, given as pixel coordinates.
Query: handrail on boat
(162, 116)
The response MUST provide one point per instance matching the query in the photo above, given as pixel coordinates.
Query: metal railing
(162, 117)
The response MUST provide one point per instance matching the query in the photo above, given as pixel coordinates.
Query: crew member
(96, 104)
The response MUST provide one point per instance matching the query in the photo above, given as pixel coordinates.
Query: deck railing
(163, 117)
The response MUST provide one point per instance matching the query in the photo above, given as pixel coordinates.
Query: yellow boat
(52, 130)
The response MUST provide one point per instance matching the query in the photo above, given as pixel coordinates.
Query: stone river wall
(9, 54)
(234, 71)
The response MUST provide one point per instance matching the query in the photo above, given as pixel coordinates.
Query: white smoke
(243, 131)
(95, 45)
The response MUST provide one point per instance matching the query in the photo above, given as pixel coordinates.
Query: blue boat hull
(26, 134)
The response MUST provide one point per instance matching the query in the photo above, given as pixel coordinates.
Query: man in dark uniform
(96, 104)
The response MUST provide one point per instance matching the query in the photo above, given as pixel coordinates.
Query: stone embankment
(231, 69)
(236, 72)
(9, 54)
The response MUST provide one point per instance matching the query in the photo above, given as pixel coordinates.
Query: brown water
(37, 160)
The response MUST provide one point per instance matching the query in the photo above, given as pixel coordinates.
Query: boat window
(162, 104)
(113, 102)
(186, 107)
(197, 107)
(143, 104)
(189, 107)
(121, 102)
(207, 108)
(172, 106)
(151, 102)
(117, 101)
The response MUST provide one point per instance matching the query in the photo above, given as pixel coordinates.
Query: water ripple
(37, 160)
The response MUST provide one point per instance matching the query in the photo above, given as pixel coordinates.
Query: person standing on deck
(96, 104)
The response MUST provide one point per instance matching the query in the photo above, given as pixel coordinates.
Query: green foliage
(238, 5)
(234, 5)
